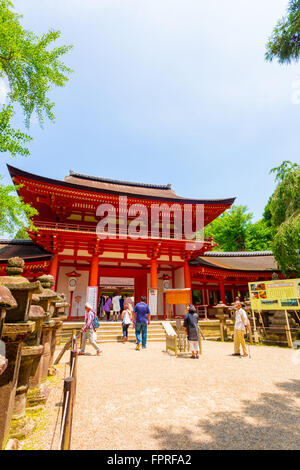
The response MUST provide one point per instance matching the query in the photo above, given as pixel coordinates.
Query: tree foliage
(32, 67)
(14, 213)
(285, 218)
(284, 44)
(234, 231)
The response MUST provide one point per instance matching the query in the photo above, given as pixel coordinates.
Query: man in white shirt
(241, 323)
(116, 306)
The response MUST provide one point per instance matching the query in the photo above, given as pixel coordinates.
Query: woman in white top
(116, 306)
(126, 321)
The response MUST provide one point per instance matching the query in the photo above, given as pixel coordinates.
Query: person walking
(122, 300)
(106, 307)
(89, 331)
(141, 319)
(128, 302)
(116, 306)
(191, 327)
(240, 327)
(126, 322)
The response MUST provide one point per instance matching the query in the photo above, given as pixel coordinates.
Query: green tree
(284, 44)
(32, 67)
(258, 236)
(285, 217)
(14, 213)
(229, 230)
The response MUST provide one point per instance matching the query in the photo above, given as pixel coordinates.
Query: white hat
(87, 305)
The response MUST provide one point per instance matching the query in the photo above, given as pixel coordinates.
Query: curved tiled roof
(238, 261)
(25, 249)
(100, 185)
(73, 174)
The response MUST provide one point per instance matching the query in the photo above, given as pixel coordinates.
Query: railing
(63, 226)
(69, 398)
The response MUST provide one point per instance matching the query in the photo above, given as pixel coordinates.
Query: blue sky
(168, 91)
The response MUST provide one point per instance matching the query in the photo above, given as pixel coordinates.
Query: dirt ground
(148, 399)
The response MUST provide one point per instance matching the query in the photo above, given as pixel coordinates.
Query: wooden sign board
(178, 296)
(280, 294)
(91, 297)
(152, 301)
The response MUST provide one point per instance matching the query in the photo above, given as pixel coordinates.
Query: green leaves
(285, 209)
(14, 213)
(233, 231)
(284, 44)
(32, 69)
(11, 140)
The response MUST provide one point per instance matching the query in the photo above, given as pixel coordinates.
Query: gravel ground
(148, 399)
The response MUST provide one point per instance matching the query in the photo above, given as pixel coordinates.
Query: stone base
(38, 396)
(21, 428)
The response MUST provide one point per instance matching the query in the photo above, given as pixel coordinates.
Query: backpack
(95, 322)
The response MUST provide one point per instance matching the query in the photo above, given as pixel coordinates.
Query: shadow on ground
(272, 422)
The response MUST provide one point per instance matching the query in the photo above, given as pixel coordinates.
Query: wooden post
(254, 326)
(153, 273)
(222, 291)
(54, 269)
(187, 278)
(94, 271)
(288, 331)
(262, 322)
(2, 317)
(65, 441)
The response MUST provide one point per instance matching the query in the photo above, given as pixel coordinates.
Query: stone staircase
(110, 332)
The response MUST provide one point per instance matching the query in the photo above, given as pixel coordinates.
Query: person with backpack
(89, 330)
(191, 327)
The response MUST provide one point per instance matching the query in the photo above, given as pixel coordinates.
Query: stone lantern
(47, 299)
(7, 302)
(222, 316)
(31, 356)
(21, 289)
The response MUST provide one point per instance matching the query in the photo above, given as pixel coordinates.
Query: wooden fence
(70, 384)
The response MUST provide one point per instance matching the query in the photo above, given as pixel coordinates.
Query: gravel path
(148, 399)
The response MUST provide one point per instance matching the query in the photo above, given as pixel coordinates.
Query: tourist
(126, 321)
(191, 327)
(89, 332)
(122, 300)
(141, 319)
(128, 301)
(101, 304)
(107, 306)
(241, 323)
(116, 306)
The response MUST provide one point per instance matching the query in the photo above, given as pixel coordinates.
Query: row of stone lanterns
(31, 314)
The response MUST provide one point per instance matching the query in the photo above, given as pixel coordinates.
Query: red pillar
(222, 292)
(94, 271)
(187, 278)
(153, 274)
(54, 268)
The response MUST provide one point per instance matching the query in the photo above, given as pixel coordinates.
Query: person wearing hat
(191, 327)
(89, 331)
(240, 326)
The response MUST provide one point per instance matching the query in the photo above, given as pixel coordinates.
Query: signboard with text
(91, 297)
(152, 301)
(282, 294)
